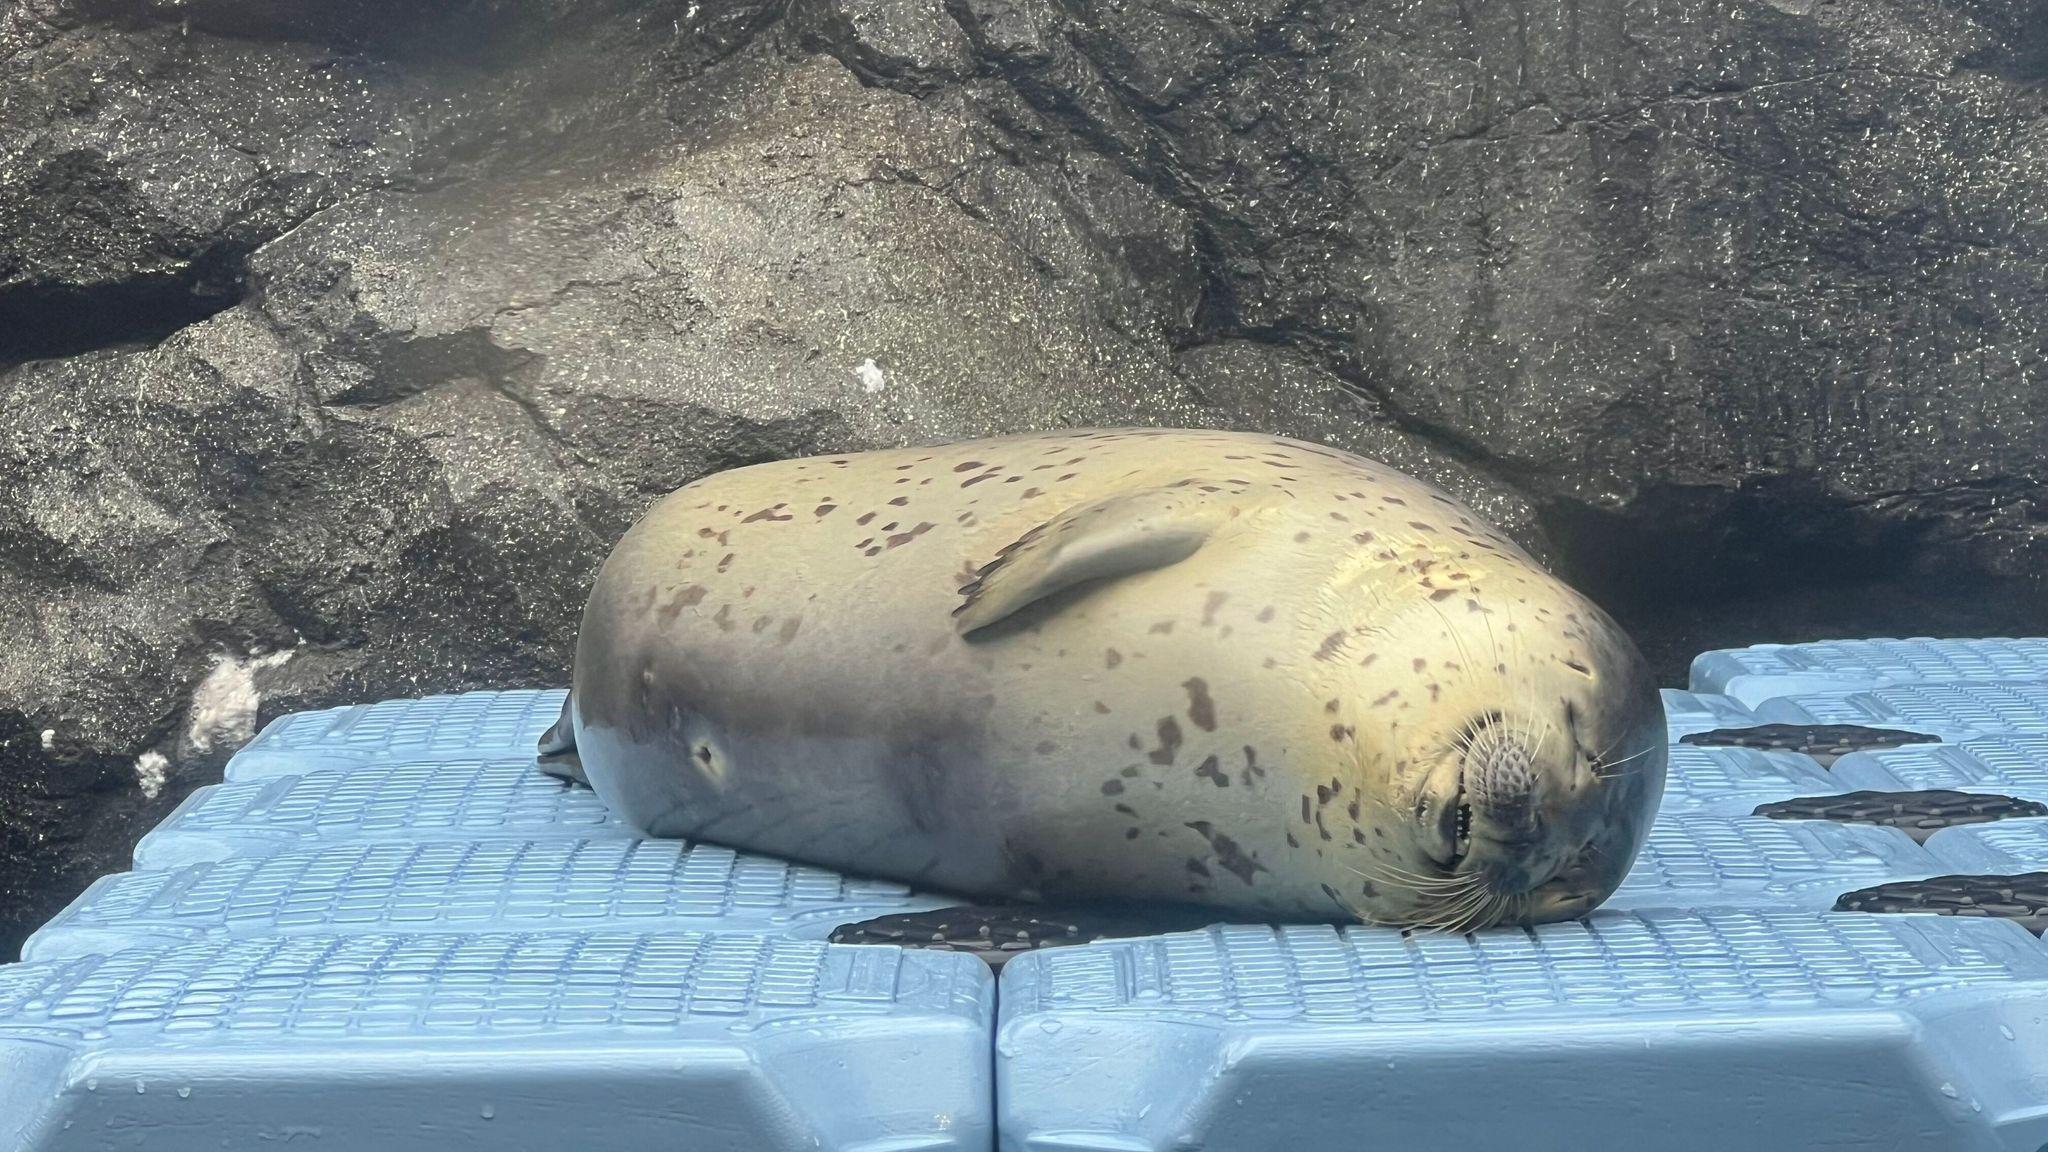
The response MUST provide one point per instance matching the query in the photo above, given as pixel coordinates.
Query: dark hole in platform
(1917, 814)
(1825, 743)
(2022, 898)
(997, 932)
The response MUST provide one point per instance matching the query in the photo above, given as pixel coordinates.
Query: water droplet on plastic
(184, 1093)
(1049, 1027)
(2006, 1032)
(140, 1087)
(1949, 1090)
(92, 1085)
(489, 1112)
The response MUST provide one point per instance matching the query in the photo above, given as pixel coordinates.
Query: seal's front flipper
(1116, 536)
(996, 932)
(557, 751)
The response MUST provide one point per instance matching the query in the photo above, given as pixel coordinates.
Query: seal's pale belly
(771, 660)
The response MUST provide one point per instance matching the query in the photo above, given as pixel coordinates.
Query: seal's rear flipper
(557, 753)
(996, 932)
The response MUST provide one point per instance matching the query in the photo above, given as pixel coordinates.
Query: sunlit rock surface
(337, 341)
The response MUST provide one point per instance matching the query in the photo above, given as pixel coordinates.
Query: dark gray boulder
(337, 341)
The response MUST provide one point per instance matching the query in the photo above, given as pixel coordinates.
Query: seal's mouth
(1450, 830)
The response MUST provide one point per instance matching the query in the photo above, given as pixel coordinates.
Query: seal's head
(1529, 784)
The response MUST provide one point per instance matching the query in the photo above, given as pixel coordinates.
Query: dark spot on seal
(689, 596)
(1304, 810)
(864, 518)
(1381, 701)
(1101, 708)
(1169, 741)
(1340, 732)
(864, 543)
(902, 538)
(1201, 709)
(1130, 833)
(973, 480)
(1331, 644)
(1363, 538)
(1126, 809)
(970, 466)
(1369, 658)
(1198, 868)
(1045, 747)
(1216, 600)
(704, 753)
(891, 526)
(1301, 537)
(1251, 766)
(767, 514)
(1228, 852)
(1292, 842)
(724, 618)
(1442, 594)
(1351, 809)
(900, 501)
(1266, 614)
(1435, 691)
(707, 533)
(1129, 771)
(1393, 500)
(824, 509)
(1112, 787)
(725, 562)
(1067, 475)
(789, 628)
(1420, 663)
(1330, 705)
(1162, 628)
(1111, 658)
(761, 623)
(1134, 742)
(1212, 771)
(1575, 666)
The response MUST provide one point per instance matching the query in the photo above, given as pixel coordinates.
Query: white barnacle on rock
(49, 739)
(872, 378)
(224, 705)
(151, 770)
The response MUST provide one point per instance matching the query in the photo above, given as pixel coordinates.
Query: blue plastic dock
(1955, 711)
(465, 726)
(465, 886)
(1752, 675)
(1689, 712)
(494, 1041)
(1706, 1030)
(387, 930)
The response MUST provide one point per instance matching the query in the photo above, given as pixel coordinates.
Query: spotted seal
(1223, 670)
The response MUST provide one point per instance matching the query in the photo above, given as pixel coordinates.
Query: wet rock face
(337, 341)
